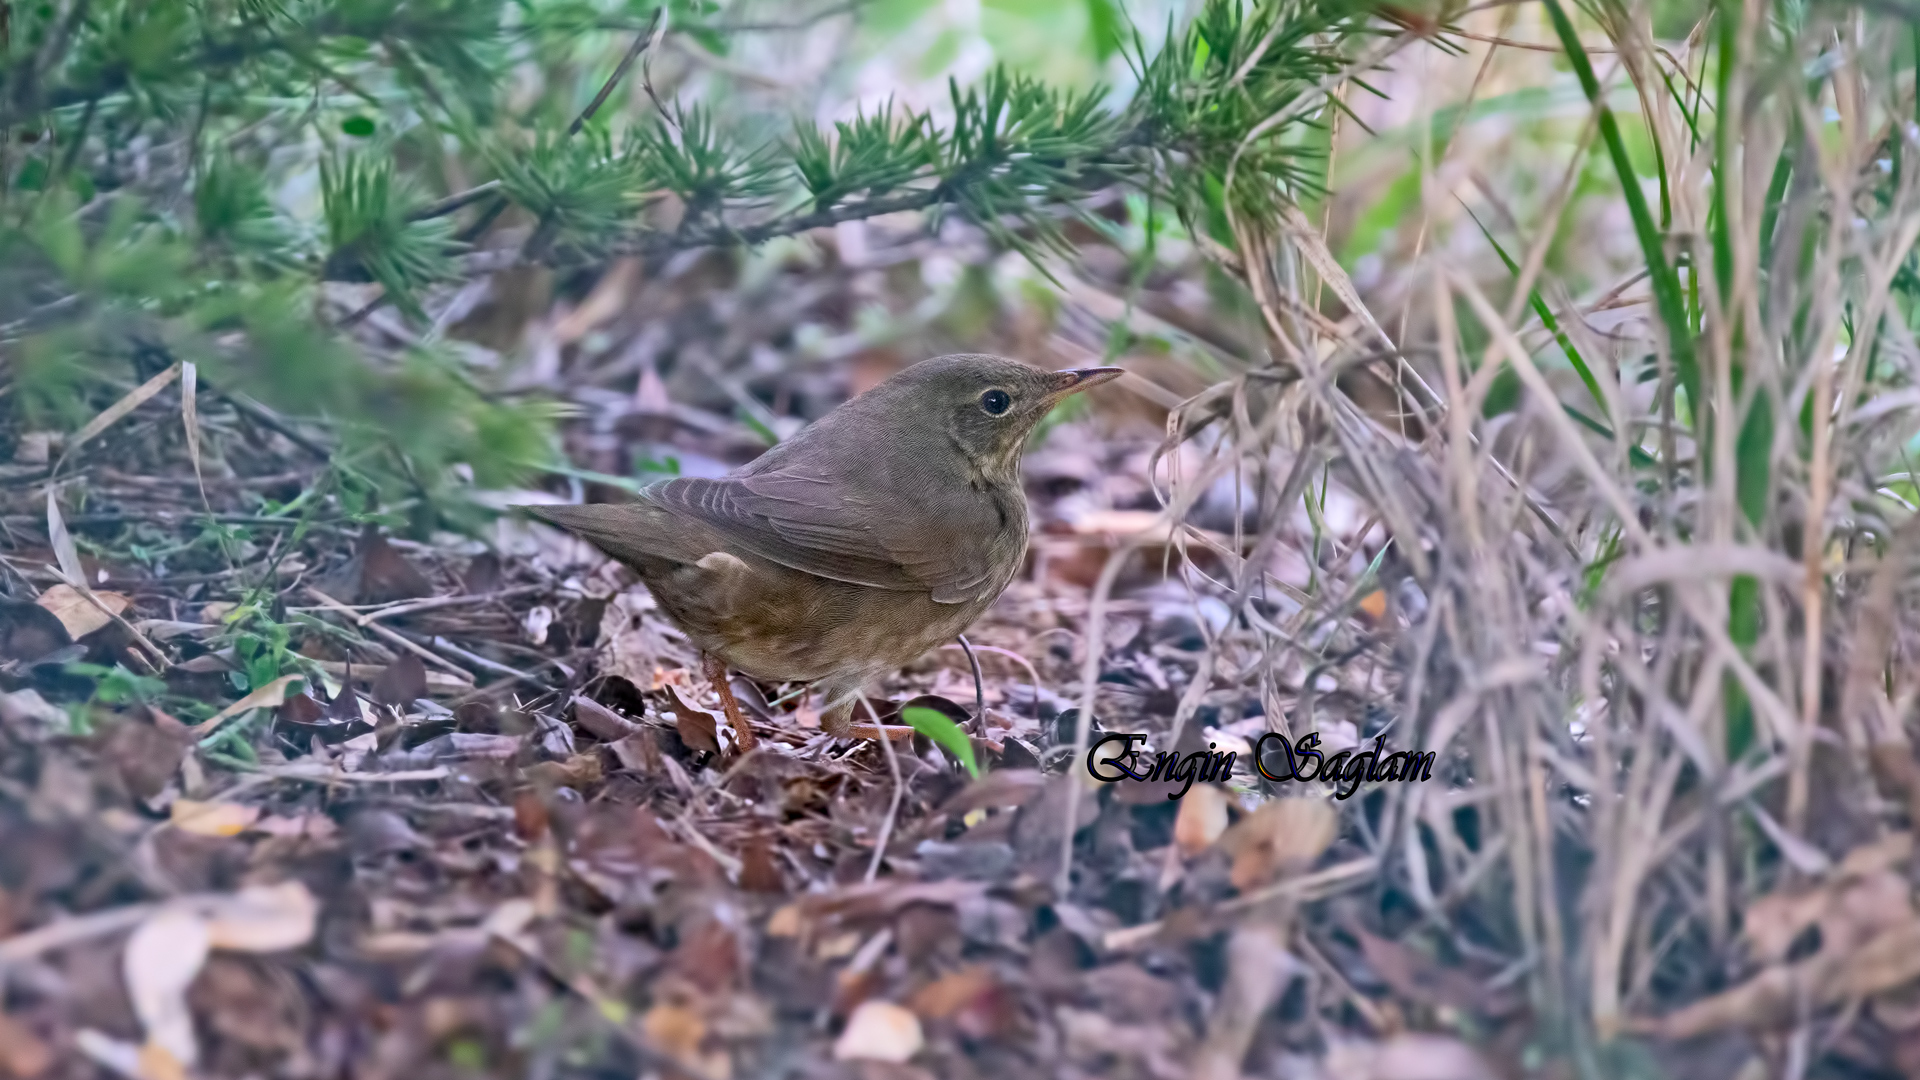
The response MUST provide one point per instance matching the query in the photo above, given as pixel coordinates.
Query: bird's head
(986, 406)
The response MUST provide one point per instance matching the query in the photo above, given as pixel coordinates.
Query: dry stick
(640, 43)
(1813, 545)
(27, 946)
(414, 607)
(115, 412)
(1032, 672)
(435, 641)
(979, 688)
(899, 789)
(1306, 886)
(423, 653)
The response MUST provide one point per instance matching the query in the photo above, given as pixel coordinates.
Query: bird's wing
(833, 529)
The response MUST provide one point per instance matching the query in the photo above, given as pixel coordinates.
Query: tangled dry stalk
(1668, 695)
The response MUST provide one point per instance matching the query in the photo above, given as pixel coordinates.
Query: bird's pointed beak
(1074, 380)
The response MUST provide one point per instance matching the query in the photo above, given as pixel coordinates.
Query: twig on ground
(899, 789)
(425, 654)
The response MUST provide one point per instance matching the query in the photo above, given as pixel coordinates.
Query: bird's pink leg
(742, 730)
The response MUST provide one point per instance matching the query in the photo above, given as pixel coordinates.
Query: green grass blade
(945, 734)
(1665, 282)
(1541, 309)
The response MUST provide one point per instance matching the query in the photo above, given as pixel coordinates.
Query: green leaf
(360, 127)
(1660, 273)
(1107, 25)
(945, 734)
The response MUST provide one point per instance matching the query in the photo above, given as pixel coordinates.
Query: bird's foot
(742, 730)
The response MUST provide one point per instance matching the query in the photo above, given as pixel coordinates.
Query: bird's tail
(640, 534)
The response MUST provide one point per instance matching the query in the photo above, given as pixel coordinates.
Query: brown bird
(880, 531)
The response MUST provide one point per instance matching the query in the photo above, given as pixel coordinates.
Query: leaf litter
(300, 794)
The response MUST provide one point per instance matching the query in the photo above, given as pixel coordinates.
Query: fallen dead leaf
(1865, 895)
(879, 1031)
(77, 614)
(675, 1029)
(1408, 1056)
(270, 696)
(212, 818)
(158, 1063)
(951, 992)
(786, 922)
(402, 683)
(162, 958)
(758, 871)
(601, 722)
(1201, 820)
(263, 918)
(1283, 836)
(1887, 961)
(23, 1054)
(310, 826)
(697, 727)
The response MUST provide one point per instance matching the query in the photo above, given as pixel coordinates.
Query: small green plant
(945, 734)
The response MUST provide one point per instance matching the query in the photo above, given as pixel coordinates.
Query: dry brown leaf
(1408, 1056)
(270, 696)
(1773, 921)
(402, 683)
(1866, 894)
(212, 818)
(77, 614)
(758, 871)
(675, 1029)
(879, 1031)
(23, 1054)
(951, 992)
(309, 826)
(263, 918)
(158, 1063)
(697, 727)
(786, 921)
(1201, 820)
(162, 957)
(1887, 961)
(1284, 836)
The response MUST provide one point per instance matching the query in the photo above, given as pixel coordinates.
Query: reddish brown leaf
(758, 872)
(697, 727)
(23, 1054)
(402, 683)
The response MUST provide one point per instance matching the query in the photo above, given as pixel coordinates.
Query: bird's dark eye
(995, 402)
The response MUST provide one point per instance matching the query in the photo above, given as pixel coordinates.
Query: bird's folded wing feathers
(823, 528)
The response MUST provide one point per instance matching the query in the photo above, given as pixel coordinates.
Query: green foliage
(689, 155)
(371, 233)
(580, 189)
(1211, 107)
(286, 144)
(872, 155)
(945, 734)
